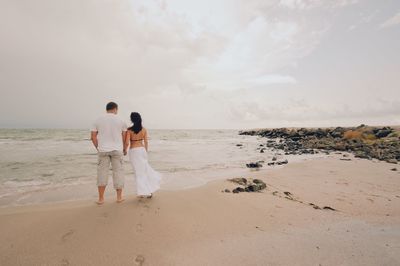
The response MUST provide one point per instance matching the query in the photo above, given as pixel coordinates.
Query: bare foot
(120, 200)
(100, 202)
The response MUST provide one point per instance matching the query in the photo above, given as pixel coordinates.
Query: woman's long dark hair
(137, 122)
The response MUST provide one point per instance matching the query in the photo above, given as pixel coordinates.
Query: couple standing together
(112, 138)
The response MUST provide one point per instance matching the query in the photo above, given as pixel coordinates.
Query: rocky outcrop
(248, 185)
(382, 143)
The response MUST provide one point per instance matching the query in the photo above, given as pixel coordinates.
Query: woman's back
(138, 139)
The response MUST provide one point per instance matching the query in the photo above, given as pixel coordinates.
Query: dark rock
(345, 159)
(393, 169)
(383, 133)
(254, 165)
(227, 191)
(239, 145)
(256, 186)
(272, 163)
(394, 161)
(274, 158)
(238, 189)
(262, 150)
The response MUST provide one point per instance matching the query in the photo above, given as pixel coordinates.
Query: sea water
(48, 165)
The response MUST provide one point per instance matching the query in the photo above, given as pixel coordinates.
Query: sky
(221, 64)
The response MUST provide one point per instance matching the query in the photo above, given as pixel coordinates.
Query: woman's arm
(127, 141)
(146, 141)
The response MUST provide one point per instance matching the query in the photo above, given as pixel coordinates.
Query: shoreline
(204, 226)
(88, 191)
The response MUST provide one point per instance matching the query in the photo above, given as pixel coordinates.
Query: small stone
(274, 158)
(227, 191)
(394, 161)
(254, 165)
(393, 169)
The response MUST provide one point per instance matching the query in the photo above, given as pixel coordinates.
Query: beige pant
(115, 158)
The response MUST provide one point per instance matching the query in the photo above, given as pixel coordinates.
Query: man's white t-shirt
(109, 136)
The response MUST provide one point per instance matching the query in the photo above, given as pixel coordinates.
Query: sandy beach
(205, 226)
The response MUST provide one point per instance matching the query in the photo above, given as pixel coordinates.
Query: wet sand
(204, 226)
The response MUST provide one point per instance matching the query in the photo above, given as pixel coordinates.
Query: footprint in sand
(64, 262)
(139, 228)
(139, 260)
(67, 235)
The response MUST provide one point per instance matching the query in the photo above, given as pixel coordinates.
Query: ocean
(51, 165)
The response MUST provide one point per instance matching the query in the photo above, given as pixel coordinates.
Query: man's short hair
(111, 106)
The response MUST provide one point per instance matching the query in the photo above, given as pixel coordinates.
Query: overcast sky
(200, 64)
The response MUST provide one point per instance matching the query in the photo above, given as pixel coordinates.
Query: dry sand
(204, 226)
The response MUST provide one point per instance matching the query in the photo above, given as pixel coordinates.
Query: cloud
(393, 21)
(273, 79)
(240, 62)
(310, 4)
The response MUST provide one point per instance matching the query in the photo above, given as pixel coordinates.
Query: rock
(238, 189)
(393, 169)
(239, 145)
(382, 143)
(272, 163)
(262, 150)
(394, 161)
(239, 180)
(254, 165)
(227, 191)
(255, 187)
(274, 158)
(345, 159)
(383, 133)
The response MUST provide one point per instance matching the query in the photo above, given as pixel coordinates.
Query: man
(108, 136)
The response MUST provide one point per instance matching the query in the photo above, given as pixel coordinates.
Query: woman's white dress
(147, 180)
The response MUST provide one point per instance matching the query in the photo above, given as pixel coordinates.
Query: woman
(147, 180)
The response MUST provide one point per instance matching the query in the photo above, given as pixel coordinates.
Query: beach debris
(271, 163)
(328, 208)
(254, 165)
(345, 159)
(393, 169)
(274, 158)
(262, 150)
(227, 190)
(239, 145)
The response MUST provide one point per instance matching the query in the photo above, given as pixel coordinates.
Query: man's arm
(93, 137)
